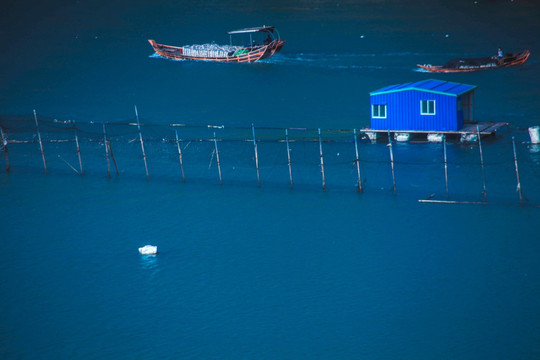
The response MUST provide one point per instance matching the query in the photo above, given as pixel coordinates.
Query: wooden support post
(112, 156)
(322, 162)
(180, 157)
(445, 166)
(357, 163)
(256, 155)
(68, 164)
(142, 143)
(517, 173)
(392, 162)
(484, 192)
(4, 146)
(217, 158)
(106, 143)
(78, 148)
(40, 143)
(289, 156)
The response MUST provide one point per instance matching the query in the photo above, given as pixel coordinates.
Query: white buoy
(148, 250)
(371, 135)
(534, 133)
(468, 137)
(435, 137)
(402, 136)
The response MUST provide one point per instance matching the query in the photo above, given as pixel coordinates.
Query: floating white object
(433, 137)
(534, 133)
(148, 250)
(468, 137)
(402, 136)
(371, 135)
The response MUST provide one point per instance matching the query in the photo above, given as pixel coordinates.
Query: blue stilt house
(428, 105)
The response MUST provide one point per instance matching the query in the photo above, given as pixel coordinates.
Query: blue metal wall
(403, 112)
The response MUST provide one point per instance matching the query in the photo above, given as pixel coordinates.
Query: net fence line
(293, 147)
(22, 124)
(187, 142)
(26, 124)
(21, 130)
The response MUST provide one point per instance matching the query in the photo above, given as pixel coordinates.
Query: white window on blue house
(378, 111)
(427, 107)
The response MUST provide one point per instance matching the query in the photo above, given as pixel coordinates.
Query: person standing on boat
(500, 53)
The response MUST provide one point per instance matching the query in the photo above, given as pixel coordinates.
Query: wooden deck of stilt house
(470, 129)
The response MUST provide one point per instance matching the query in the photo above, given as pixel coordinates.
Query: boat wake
(156, 55)
(345, 61)
(369, 61)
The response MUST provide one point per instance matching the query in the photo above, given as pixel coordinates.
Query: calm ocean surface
(248, 272)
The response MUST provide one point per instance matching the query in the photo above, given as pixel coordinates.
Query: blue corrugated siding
(459, 112)
(403, 112)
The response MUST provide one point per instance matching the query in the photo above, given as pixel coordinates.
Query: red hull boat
(227, 53)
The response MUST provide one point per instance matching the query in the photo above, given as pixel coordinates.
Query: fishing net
(210, 50)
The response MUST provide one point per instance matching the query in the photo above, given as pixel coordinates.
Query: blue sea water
(269, 272)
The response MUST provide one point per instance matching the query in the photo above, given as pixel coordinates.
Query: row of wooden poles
(110, 158)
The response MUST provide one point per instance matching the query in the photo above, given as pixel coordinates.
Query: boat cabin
(428, 105)
(261, 35)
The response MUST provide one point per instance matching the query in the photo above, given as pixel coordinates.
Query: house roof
(431, 86)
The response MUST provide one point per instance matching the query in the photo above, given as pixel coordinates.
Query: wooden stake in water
(517, 173)
(484, 192)
(445, 166)
(68, 164)
(4, 145)
(40, 143)
(392, 162)
(357, 163)
(322, 162)
(451, 202)
(112, 156)
(78, 147)
(217, 159)
(256, 155)
(289, 156)
(180, 157)
(142, 143)
(106, 143)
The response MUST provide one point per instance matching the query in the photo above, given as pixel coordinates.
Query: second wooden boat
(476, 64)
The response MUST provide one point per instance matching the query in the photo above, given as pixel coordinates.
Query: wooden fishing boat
(475, 64)
(256, 50)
